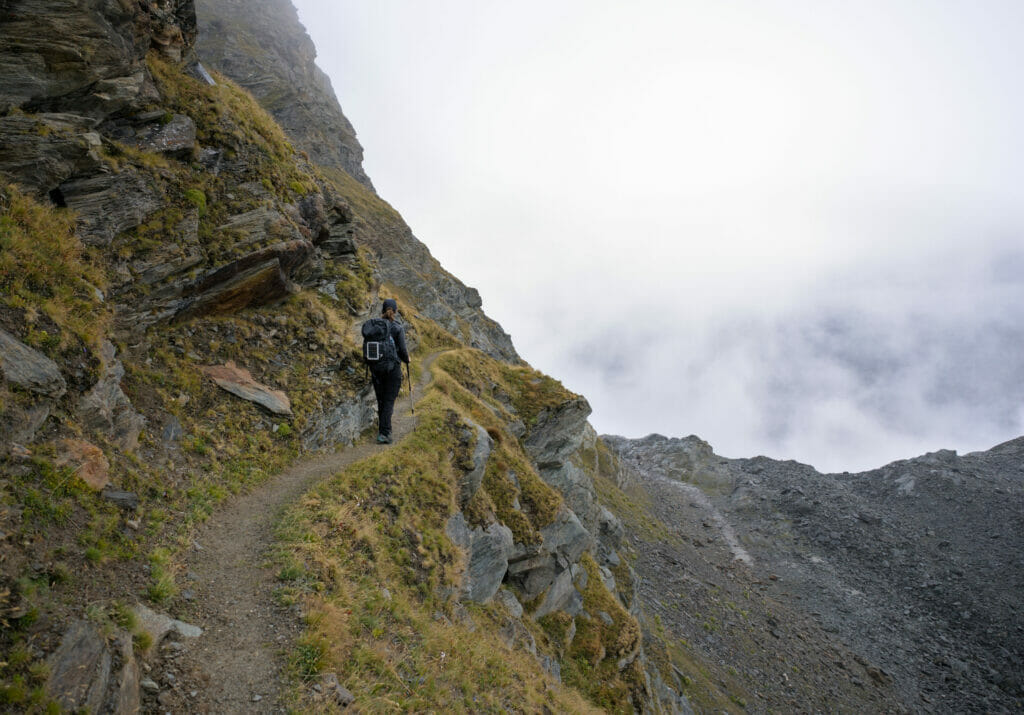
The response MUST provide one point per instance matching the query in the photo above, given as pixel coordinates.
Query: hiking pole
(412, 407)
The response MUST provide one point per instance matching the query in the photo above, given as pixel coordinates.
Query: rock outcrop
(87, 55)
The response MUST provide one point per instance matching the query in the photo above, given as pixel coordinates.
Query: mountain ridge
(161, 225)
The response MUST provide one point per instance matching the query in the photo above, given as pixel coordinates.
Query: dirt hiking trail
(236, 665)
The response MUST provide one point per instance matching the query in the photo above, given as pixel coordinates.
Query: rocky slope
(181, 284)
(266, 50)
(181, 290)
(914, 567)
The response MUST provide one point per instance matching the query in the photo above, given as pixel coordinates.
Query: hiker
(384, 351)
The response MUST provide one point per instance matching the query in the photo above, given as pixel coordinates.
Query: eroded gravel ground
(707, 591)
(915, 568)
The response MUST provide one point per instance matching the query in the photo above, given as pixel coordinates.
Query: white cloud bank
(792, 228)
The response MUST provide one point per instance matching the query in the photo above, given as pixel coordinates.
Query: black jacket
(398, 333)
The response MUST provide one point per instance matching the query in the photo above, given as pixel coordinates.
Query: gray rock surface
(469, 482)
(29, 369)
(80, 669)
(915, 565)
(488, 550)
(557, 433)
(566, 538)
(41, 152)
(159, 625)
(105, 408)
(175, 138)
(108, 204)
(89, 54)
(562, 596)
(342, 423)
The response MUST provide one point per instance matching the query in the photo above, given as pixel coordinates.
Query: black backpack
(379, 351)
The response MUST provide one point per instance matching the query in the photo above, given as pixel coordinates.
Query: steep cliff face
(266, 50)
(263, 47)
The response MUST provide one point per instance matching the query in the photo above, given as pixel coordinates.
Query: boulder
(488, 551)
(86, 460)
(508, 599)
(576, 487)
(515, 635)
(532, 575)
(129, 501)
(239, 381)
(29, 369)
(158, 626)
(566, 538)
(105, 408)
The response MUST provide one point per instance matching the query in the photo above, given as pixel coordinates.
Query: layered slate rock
(108, 204)
(80, 669)
(175, 137)
(87, 54)
(106, 409)
(41, 152)
(257, 278)
(239, 381)
(29, 369)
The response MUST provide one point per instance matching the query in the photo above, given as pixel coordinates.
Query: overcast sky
(790, 228)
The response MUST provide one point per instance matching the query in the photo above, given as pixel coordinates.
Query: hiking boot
(383, 439)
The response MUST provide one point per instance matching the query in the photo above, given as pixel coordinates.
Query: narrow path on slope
(236, 665)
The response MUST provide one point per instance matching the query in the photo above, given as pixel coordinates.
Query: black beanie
(389, 303)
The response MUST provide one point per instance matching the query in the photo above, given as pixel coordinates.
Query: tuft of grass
(162, 586)
(46, 271)
(197, 198)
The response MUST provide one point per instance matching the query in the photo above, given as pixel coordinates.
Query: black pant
(386, 386)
